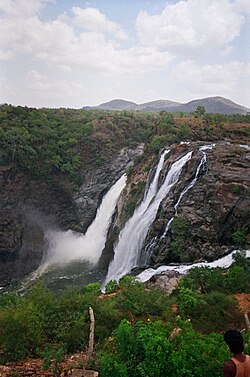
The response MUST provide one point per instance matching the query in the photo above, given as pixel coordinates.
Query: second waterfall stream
(133, 235)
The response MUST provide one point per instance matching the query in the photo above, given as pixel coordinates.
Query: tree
(200, 110)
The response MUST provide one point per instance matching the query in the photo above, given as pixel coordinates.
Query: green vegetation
(239, 236)
(153, 349)
(53, 143)
(180, 233)
(136, 194)
(147, 336)
(157, 143)
(139, 331)
(200, 110)
(207, 280)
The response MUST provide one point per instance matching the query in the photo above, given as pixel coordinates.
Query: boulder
(166, 280)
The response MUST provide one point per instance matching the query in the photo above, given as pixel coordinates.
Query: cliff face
(29, 208)
(216, 208)
(211, 219)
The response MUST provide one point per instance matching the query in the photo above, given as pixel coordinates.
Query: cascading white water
(190, 185)
(155, 241)
(223, 262)
(132, 237)
(150, 193)
(65, 247)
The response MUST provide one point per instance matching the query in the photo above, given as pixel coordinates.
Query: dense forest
(139, 331)
(51, 142)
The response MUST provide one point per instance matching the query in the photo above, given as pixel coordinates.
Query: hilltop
(213, 105)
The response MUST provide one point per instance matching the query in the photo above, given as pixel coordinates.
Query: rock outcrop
(166, 281)
(216, 207)
(212, 211)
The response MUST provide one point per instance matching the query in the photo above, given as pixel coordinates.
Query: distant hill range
(216, 105)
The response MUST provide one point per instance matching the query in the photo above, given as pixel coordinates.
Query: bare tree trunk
(247, 321)
(91, 333)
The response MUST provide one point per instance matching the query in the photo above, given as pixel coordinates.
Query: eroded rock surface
(28, 208)
(166, 280)
(216, 207)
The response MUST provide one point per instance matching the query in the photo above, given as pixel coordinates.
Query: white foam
(223, 262)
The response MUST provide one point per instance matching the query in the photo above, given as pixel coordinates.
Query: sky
(60, 53)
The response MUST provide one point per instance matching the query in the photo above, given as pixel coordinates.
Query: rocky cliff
(29, 207)
(212, 217)
(215, 210)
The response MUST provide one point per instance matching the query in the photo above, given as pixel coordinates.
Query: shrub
(239, 236)
(135, 300)
(215, 312)
(203, 279)
(180, 233)
(150, 349)
(142, 349)
(157, 143)
(111, 286)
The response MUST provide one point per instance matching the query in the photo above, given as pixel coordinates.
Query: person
(239, 364)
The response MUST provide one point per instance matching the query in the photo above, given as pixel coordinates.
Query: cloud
(44, 89)
(192, 24)
(210, 79)
(17, 8)
(243, 5)
(92, 19)
(82, 55)
(60, 43)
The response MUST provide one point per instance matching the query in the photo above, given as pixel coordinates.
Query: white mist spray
(65, 247)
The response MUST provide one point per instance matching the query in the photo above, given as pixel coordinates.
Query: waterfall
(65, 247)
(154, 243)
(152, 189)
(190, 185)
(132, 236)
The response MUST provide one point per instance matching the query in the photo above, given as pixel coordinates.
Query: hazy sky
(73, 53)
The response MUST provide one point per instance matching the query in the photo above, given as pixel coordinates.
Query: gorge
(188, 203)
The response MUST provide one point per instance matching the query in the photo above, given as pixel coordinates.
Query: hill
(214, 105)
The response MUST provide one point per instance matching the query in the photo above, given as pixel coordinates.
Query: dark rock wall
(217, 206)
(28, 208)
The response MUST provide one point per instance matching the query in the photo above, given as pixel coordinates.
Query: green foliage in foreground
(41, 320)
(137, 332)
(157, 349)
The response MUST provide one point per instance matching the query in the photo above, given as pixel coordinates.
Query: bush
(239, 237)
(151, 349)
(157, 143)
(203, 279)
(141, 349)
(111, 286)
(216, 312)
(136, 300)
(21, 332)
(237, 280)
(233, 280)
(180, 233)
